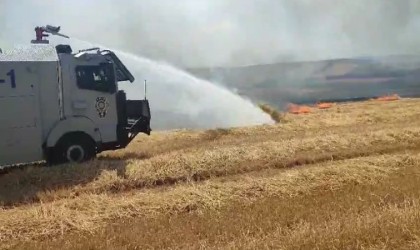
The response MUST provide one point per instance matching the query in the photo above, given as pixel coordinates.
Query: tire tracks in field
(177, 172)
(257, 166)
(302, 156)
(88, 213)
(228, 137)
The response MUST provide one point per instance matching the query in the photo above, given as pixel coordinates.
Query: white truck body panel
(26, 84)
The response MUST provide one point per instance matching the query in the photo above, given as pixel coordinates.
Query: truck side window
(97, 78)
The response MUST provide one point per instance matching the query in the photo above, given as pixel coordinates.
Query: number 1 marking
(12, 76)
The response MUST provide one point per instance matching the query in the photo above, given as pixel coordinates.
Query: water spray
(181, 100)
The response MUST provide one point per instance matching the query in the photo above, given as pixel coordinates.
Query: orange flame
(298, 109)
(388, 98)
(324, 105)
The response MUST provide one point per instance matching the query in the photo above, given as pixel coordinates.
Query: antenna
(145, 90)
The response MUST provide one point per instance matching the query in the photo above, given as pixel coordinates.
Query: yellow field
(341, 178)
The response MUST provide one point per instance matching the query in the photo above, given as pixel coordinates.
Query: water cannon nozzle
(40, 33)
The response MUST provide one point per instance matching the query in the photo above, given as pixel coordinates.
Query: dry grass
(380, 212)
(311, 182)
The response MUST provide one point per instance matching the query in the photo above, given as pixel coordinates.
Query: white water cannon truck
(59, 106)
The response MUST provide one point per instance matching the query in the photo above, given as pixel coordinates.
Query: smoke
(191, 33)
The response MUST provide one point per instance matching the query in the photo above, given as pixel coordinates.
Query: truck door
(20, 123)
(92, 95)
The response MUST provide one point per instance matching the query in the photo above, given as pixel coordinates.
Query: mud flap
(138, 114)
(133, 118)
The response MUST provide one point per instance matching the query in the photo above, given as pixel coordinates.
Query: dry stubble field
(343, 178)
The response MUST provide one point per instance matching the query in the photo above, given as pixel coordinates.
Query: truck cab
(64, 106)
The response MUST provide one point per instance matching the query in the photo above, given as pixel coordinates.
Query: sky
(201, 33)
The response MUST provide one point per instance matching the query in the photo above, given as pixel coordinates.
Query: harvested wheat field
(346, 177)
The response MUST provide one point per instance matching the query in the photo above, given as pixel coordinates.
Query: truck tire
(74, 148)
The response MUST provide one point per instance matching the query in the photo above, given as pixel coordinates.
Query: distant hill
(312, 81)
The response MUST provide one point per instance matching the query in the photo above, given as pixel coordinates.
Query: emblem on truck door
(101, 106)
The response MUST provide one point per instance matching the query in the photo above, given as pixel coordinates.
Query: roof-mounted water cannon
(41, 33)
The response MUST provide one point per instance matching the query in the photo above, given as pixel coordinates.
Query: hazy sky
(226, 32)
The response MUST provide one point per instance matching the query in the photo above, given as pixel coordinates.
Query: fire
(388, 98)
(298, 109)
(324, 105)
(303, 109)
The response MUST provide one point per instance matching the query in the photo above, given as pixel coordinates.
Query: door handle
(79, 105)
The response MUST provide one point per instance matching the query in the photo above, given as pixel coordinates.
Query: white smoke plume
(207, 33)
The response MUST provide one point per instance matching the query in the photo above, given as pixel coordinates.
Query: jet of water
(180, 100)
(189, 101)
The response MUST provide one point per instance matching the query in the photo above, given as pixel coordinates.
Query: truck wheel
(74, 148)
